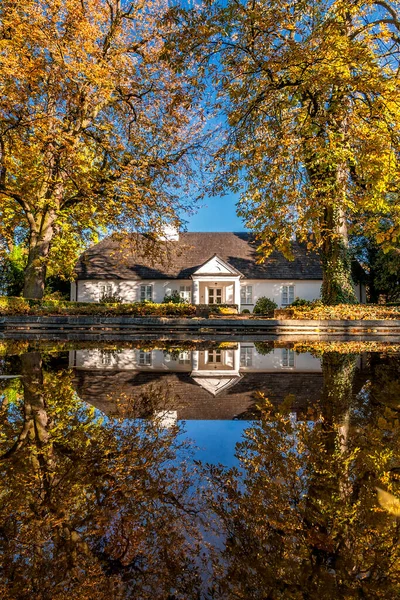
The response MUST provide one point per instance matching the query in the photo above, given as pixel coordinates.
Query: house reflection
(214, 383)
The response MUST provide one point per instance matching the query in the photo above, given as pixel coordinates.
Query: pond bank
(101, 325)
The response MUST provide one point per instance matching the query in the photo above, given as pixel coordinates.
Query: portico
(216, 282)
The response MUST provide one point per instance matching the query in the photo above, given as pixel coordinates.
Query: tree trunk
(373, 293)
(32, 380)
(39, 247)
(337, 283)
(338, 373)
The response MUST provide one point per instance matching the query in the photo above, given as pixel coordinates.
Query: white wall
(96, 358)
(274, 361)
(307, 289)
(231, 360)
(129, 291)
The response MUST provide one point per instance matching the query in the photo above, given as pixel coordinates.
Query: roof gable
(216, 385)
(216, 266)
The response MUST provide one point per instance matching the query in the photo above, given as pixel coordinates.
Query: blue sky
(215, 441)
(216, 214)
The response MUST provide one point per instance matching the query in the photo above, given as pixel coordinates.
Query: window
(184, 358)
(287, 294)
(185, 292)
(146, 293)
(144, 358)
(214, 295)
(246, 294)
(106, 358)
(246, 357)
(105, 289)
(287, 357)
(214, 356)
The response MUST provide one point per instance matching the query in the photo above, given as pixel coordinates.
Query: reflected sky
(216, 440)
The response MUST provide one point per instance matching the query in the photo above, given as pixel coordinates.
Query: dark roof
(109, 390)
(134, 258)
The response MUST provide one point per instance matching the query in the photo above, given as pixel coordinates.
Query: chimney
(169, 233)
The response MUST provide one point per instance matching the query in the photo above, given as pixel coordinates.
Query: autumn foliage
(309, 94)
(97, 130)
(24, 306)
(319, 311)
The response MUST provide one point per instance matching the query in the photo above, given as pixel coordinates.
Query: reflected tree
(91, 507)
(301, 520)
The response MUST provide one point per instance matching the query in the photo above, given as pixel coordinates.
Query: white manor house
(205, 268)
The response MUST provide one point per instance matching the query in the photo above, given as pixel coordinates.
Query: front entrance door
(214, 295)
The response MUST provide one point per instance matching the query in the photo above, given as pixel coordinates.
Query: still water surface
(192, 470)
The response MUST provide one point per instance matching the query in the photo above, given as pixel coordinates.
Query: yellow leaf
(389, 502)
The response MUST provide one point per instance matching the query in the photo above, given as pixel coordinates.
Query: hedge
(24, 306)
(318, 311)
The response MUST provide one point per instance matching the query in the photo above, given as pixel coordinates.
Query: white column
(73, 291)
(196, 292)
(236, 359)
(195, 360)
(236, 295)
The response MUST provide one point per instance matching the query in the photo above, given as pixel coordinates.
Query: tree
(92, 507)
(310, 94)
(387, 274)
(97, 130)
(12, 272)
(301, 519)
(383, 269)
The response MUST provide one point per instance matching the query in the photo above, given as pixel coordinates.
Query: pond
(197, 470)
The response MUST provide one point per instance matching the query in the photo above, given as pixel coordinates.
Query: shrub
(14, 306)
(110, 298)
(265, 306)
(174, 297)
(223, 309)
(319, 311)
(20, 306)
(54, 296)
(226, 310)
(12, 267)
(264, 348)
(301, 302)
(246, 311)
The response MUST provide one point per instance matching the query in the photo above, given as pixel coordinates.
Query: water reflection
(91, 508)
(101, 497)
(302, 521)
(207, 384)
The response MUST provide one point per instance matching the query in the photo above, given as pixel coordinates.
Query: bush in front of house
(264, 348)
(223, 309)
(301, 302)
(265, 307)
(110, 298)
(205, 310)
(246, 311)
(174, 297)
(26, 306)
(342, 312)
